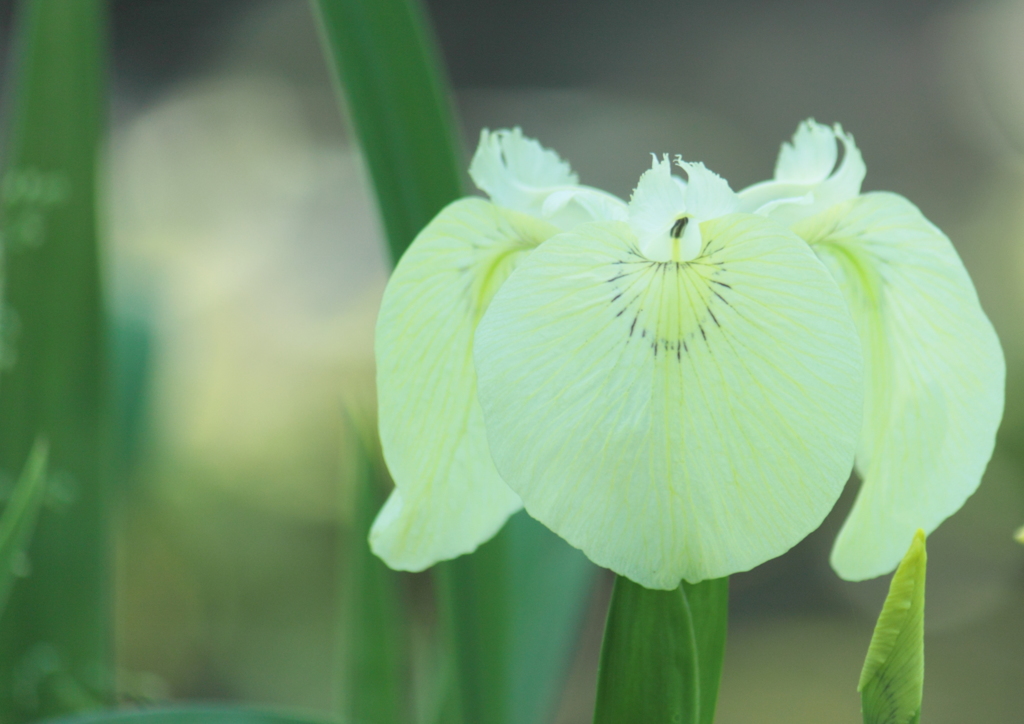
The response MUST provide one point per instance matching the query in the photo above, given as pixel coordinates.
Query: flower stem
(661, 659)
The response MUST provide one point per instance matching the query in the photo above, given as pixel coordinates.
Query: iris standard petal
(810, 157)
(673, 420)
(520, 174)
(805, 183)
(448, 497)
(934, 374)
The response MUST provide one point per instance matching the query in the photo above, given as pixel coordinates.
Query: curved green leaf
(398, 102)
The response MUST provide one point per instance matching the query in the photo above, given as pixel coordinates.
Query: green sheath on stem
(661, 659)
(709, 609)
(55, 645)
(892, 681)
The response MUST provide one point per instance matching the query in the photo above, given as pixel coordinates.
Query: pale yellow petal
(448, 497)
(673, 420)
(934, 374)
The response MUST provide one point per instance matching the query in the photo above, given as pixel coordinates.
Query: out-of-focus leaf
(709, 609)
(892, 681)
(649, 667)
(375, 682)
(55, 642)
(19, 520)
(188, 715)
(518, 603)
(398, 101)
(514, 607)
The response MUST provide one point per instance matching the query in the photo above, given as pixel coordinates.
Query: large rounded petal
(673, 420)
(448, 498)
(934, 373)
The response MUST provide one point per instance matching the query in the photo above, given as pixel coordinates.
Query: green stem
(57, 623)
(662, 653)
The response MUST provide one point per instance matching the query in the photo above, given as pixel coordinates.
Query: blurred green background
(244, 264)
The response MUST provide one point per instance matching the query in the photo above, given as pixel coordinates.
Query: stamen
(679, 227)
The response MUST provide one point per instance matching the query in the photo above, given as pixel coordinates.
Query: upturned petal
(934, 374)
(448, 497)
(520, 174)
(673, 420)
(806, 178)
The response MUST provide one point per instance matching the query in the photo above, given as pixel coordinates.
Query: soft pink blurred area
(243, 238)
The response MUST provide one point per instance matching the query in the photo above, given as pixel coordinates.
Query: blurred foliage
(55, 637)
(189, 715)
(377, 680)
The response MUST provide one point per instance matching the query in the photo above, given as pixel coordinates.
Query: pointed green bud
(892, 680)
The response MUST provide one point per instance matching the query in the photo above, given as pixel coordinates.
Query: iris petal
(448, 497)
(934, 374)
(673, 420)
(805, 183)
(520, 174)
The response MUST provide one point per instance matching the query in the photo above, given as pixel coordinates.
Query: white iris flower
(677, 386)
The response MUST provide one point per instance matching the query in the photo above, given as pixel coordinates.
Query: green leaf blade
(375, 684)
(55, 637)
(398, 102)
(514, 610)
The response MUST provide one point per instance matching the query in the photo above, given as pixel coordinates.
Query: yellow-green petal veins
(448, 498)
(674, 420)
(892, 680)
